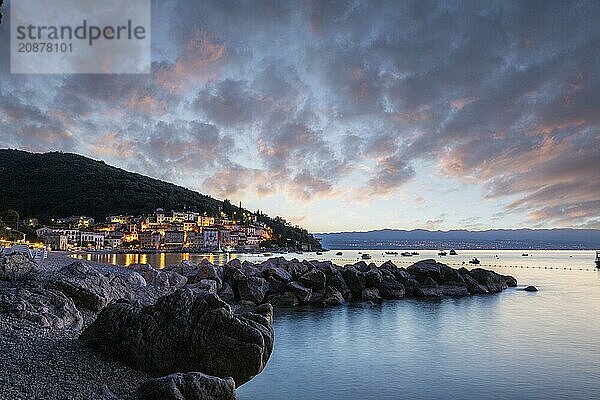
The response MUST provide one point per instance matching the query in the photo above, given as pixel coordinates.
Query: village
(161, 230)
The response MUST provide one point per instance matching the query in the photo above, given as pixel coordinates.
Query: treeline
(52, 185)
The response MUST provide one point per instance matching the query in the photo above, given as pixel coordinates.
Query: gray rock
(204, 286)
(287, 299)
(317, 296)
(454, 290)
(94, 288)
(161, 279)
(333, 297)
(226, 293)
(303, 293)
(355, 280)
(276, 286)
(372, 276)
(472, 285)
(428, 291)
(492, 281)
(207, 270)
(17, 267)
(313, 279)
(271, 271)
(186, 268)
(187, 386)
(185, 332)
(510, 281)
(250, 269)
(389, 287)
(336, 280)
(429, 269)
(253, 289)
(47, 308)
(371, 294)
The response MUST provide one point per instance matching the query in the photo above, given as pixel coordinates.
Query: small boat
(406, 254)
(299, 252)
(339, 253)
(267, 254)
(415, 253)
(442, 253)
(474, 261)
(452, 252)
(319, 253)
(365, 256)
(524, 255)
(597, 259)
(391, 253)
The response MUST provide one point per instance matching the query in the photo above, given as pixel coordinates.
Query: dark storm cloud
(270, 96)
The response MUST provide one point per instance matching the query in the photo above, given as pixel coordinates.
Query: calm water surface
(513, 345)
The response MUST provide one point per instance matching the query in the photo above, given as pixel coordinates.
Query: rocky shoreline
(79, 330)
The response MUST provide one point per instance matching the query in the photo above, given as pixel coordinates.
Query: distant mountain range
(464, 239)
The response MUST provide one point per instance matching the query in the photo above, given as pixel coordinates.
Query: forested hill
(56, 184)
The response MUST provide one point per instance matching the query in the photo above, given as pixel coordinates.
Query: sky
(346, 115)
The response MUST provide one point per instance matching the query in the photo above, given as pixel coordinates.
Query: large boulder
(47, 308)
(278, 273)
(207, 270)
(187, 268)
(389, 287)
(226, 293)
(161, 279)
(429, 269)
(454, 290)
(17, 267)
(204, 286)
(471, 283)
(185, 332)
(510, 280)
(333, 297)
(336, 280)
(187, 386)
(371, 294)
(492, 281)
(372, 276)
(355, 280)
(287, 299)
(303, 293)
(93, 287)
(253, 289)
(313, 279)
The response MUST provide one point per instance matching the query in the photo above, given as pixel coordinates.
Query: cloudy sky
(347, 115)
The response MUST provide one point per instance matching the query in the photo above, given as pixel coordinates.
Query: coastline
(74, 370)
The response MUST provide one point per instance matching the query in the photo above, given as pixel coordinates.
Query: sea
(511, 345)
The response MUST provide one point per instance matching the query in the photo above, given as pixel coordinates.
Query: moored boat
(442, 253)
(597, 259)
(391, 253)
(415, 253)
(406, 254)
(365, 256)
(474, 261)
(339, 253)
(452, 252)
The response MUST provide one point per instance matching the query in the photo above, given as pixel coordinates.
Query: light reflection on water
(536, 259)
(516, 344)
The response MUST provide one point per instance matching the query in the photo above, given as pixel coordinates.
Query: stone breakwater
(189, 331)
(289, 283)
